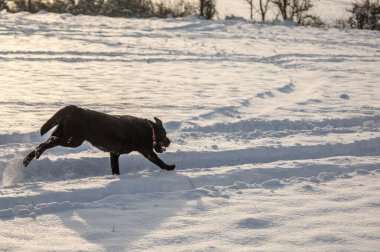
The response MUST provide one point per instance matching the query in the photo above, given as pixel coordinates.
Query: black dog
(115, 134)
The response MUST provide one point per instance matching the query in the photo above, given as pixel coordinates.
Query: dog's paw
(170, 167)
(25, 162)
(28, 158)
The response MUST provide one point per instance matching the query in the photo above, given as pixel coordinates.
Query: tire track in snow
(204, 183)
(207, 159)
(366, 122)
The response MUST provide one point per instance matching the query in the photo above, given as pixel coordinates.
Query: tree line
(364, 14)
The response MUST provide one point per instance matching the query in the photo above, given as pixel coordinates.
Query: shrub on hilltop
(111, 8)
(365, 15)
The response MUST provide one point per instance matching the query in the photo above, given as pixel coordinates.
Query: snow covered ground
(275, 134)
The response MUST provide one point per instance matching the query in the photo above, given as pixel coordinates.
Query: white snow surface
(275, 135)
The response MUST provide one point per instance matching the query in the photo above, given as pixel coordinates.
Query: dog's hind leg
(50, 143)
(115, 164)
(29, 158)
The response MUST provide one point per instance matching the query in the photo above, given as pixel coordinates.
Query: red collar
(154, 138)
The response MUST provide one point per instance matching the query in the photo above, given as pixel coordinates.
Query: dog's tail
(56, 119)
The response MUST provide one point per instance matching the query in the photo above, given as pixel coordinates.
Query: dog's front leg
(152, 157)
(115, 164)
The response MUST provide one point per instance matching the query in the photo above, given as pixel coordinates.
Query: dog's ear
(158, 121)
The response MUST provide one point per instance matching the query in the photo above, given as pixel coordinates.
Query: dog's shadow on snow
(131, 208)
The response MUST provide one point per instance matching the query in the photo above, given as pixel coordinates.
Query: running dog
(114, 134)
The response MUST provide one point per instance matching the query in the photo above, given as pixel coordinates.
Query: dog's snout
(166, 142)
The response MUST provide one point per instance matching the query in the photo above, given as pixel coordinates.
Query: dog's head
(162, 142)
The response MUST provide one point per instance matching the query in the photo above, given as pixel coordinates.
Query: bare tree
(300, 9)
(202, 4)
(294, 10)
(263, 4)
(262, 10)
(250, 3)
(282, 6)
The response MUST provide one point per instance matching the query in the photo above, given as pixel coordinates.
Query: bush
(181, 9)
(313, 21)
(22, 5)
(341, 23)
(127, 8)
(207, 8)
(3, 5)
(365, 15)
(85, 7)
(61, 6)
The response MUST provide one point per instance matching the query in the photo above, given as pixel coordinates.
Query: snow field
(274, 129)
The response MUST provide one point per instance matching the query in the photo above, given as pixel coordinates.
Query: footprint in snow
(252, 223)
(272, 184)
(263, 95)
(344, 96)
(308, 188)
(287, 88)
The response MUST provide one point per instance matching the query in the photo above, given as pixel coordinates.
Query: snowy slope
(275, 134)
